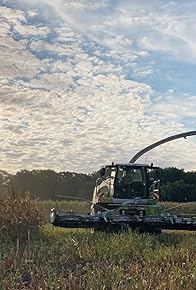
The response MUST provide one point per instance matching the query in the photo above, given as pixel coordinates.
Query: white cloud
(176, 108)
(67, 99)
(171, 23)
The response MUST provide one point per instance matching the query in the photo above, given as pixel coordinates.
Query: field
(53, 258)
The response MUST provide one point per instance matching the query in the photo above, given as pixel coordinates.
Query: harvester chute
(160, 142)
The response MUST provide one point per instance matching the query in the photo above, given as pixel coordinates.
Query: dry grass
(19, 217)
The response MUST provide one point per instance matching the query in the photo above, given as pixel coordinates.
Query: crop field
(45, 257)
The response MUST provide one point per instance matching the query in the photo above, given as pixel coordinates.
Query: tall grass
(65, 259)
(19, 217)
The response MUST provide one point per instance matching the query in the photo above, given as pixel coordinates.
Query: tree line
(176, 184)
(45, 184)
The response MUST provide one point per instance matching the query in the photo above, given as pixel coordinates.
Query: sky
(84, 83)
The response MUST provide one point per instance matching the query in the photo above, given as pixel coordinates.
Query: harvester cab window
(130, 174)
(120, 173)
(130, 182)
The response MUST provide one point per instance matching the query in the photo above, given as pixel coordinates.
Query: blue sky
(84, 83)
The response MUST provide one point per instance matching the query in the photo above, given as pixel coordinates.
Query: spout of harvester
(160, 142)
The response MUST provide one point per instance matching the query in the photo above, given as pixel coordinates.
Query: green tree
(178, 191)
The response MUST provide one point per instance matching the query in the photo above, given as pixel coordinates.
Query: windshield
(130, 182)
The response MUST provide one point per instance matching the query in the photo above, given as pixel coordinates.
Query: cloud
(176, 108)
(76, 84)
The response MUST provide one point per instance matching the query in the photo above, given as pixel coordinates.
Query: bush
(19, 217)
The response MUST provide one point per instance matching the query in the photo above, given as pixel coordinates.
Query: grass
(65, 259)
(54, 258)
